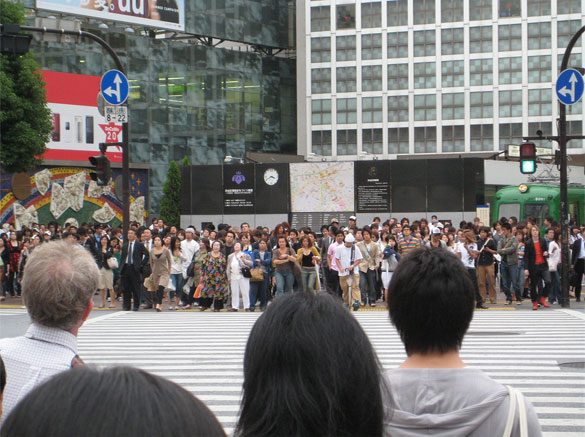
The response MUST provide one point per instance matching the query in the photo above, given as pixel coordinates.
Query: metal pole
(565, 262)
(125, 128)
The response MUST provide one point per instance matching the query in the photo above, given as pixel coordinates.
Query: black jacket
(139, 256)
(530, 253)
(575, 250)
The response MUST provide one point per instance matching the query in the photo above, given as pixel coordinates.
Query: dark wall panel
(408, 185)
(238, 189)
(272, 189)
(473, 181)
(186, 190)
(445, 184)
(206, 189)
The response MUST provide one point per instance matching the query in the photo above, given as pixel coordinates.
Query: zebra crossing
(203, 352)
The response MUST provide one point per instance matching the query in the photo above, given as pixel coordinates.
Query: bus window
(537, 210)
(574, 212)
(89, 130)
(509, 210)
(56, 135)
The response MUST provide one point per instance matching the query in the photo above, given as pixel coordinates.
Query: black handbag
(246, 273)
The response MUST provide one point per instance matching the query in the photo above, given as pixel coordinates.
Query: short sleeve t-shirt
(465, 256)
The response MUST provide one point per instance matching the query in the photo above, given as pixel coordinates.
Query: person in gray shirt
(431, 303)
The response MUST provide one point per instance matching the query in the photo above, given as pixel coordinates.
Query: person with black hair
(82, 400)
(536, 267)
(431, 304)
(2, 382)
(507, 249)
(285, 391)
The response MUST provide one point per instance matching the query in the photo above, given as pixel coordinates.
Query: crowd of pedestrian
(239, 267)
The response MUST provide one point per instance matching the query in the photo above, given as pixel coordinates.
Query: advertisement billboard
(78, 127)
(163, 14)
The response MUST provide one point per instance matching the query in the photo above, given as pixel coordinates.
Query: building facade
(404, 78)
(223, 86)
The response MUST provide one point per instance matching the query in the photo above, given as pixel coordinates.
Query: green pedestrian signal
(527, 158)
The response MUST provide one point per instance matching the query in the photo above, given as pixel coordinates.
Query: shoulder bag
(516, 400)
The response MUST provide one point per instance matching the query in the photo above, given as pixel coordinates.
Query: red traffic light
(102, 172)
(528, 151)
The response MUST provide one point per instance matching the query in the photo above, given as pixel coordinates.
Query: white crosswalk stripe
(203, 352)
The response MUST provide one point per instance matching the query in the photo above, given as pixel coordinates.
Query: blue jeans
(507, 271)
(178, 282)
(555, 291)
(368, 286)
(308, 275)
(258, 291)
(284, 281)
(517, 285)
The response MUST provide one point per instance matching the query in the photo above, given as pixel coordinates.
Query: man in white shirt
(57, 285)
(189, 247)
(347, 258)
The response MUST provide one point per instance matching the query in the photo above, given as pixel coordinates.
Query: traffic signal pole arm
(125, 128)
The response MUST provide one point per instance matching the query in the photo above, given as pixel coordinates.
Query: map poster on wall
(322, 187)
(372, 185)
(238, 189)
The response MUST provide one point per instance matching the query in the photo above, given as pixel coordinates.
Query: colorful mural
(63, 193)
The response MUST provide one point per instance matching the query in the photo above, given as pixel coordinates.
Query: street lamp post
(125, 128)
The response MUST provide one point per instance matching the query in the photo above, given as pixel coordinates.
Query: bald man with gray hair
(58, 283)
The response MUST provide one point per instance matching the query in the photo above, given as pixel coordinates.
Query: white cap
(190, 230)
(436, 231)
(349, 238)
(353, 217)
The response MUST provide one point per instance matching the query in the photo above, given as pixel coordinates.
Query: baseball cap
(349, 238)
(190, 230)
(353, 217)
(436, 231)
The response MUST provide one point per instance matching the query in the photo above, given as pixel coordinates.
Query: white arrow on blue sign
(114, 87)
(570, 86)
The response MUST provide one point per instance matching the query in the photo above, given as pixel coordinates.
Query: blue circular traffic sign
(114, 87)
(570, 86)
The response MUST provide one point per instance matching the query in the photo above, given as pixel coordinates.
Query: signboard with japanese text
(372, 186)
(238, 189)
(163, 14)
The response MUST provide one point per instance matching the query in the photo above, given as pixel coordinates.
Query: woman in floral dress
(214, 278)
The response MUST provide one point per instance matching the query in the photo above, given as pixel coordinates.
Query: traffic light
(12, 42)
(102, 173)
(528, 158)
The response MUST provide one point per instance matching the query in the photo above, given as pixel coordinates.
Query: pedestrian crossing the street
(203, 352)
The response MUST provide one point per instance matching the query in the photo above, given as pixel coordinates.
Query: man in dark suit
(134, 258)
(535, 254)
(578, 263)
(324, 244)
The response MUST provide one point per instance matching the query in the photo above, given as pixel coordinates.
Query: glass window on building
(372, 111)
(372, 78)
(539, 102)
(372, 46)
(510, 38)
(425, 107)
(510, 133)
(321, 111)
(480, 39)
(539, 36)
(510, 8)
(345, 48)
(346, 79)
(320, 81)
(398, 140)
(398, 109)
(574, 127)
(371, 15)
(425, 139)
(424, 43)
(345, 16)
(480, 10)
(320, 19)
(452, 73)
(397, 76)
(451, 11)
(424, 75)
(481, 137)
(574, 60)
(452, 41)
(481, 104)
(544, 126)
(347, 142)
(539, 69)
(372, 141)
(397, 12)
(565, 31)
(320, 49)
(453, 138)
(510, 70)
(510, 103)
(453, 106)
(347, 111)
(424, 12)
(397, 45)
(537, 8)
(481, 72)
(568, 6)
(321, 142)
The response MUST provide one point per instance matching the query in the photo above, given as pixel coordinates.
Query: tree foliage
(25, 120)
(186, 161)
(170, 205)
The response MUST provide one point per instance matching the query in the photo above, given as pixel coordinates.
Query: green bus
(539, 201)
